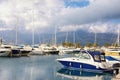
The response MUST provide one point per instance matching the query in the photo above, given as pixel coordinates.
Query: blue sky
(67, 15)
(78, 3)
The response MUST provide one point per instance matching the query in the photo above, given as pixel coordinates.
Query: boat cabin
(94, 55)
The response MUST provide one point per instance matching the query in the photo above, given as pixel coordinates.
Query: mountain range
(82, 37)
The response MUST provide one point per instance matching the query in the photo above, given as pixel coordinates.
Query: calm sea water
(42, 68)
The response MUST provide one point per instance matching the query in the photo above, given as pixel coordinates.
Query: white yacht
(14, 51)
(36, 50)
(4, 52)
(25, 50)
(49, 49)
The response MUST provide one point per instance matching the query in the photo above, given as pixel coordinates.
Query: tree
(67, 44)
(89, 44)
(77, 45)
(63, 44)
(107, 44)
(95, 45)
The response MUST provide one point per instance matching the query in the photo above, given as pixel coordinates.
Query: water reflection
(42, 68)
(68, 74)
(27, 68)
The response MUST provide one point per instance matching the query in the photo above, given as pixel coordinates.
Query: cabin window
(84, 56)
(36, 47)
(96, 58)
(102, 58)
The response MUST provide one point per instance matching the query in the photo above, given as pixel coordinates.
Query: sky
(43, 16)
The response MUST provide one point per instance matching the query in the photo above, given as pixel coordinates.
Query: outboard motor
(116, 67)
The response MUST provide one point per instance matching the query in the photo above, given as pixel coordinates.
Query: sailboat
(67, 50)
(36, 50)
(9, 50)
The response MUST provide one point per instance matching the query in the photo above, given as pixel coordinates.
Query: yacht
(4, 52)
(47, 49)
(65, 50)
(90, 61)
(25, 50)
(36, 50)
(14, 49)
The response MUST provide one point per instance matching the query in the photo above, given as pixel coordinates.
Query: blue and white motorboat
(90, 61)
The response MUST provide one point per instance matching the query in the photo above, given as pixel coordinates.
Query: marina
(59, 40)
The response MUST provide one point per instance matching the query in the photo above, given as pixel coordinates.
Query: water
(42, 68)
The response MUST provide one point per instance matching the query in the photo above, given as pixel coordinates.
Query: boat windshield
(35, 46)
(99, 58)
(84, 56)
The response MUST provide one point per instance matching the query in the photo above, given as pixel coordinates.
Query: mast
(66, 36)
(73, 36)
(55, 37)
(16, 36)
(33, 27)
(16, 30)
(95, 38)
(33, 35)
(118, 39)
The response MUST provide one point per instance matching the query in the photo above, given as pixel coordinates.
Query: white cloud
(98, 27)
(51, 13)
(5, 29)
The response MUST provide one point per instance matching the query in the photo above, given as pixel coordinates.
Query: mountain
(84, 37)
(80, 36)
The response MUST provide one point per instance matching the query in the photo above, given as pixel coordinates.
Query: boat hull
(4, 54)
(84, 66)
(15, 52)
(51, 52)
(24, 52)
(37, 53)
